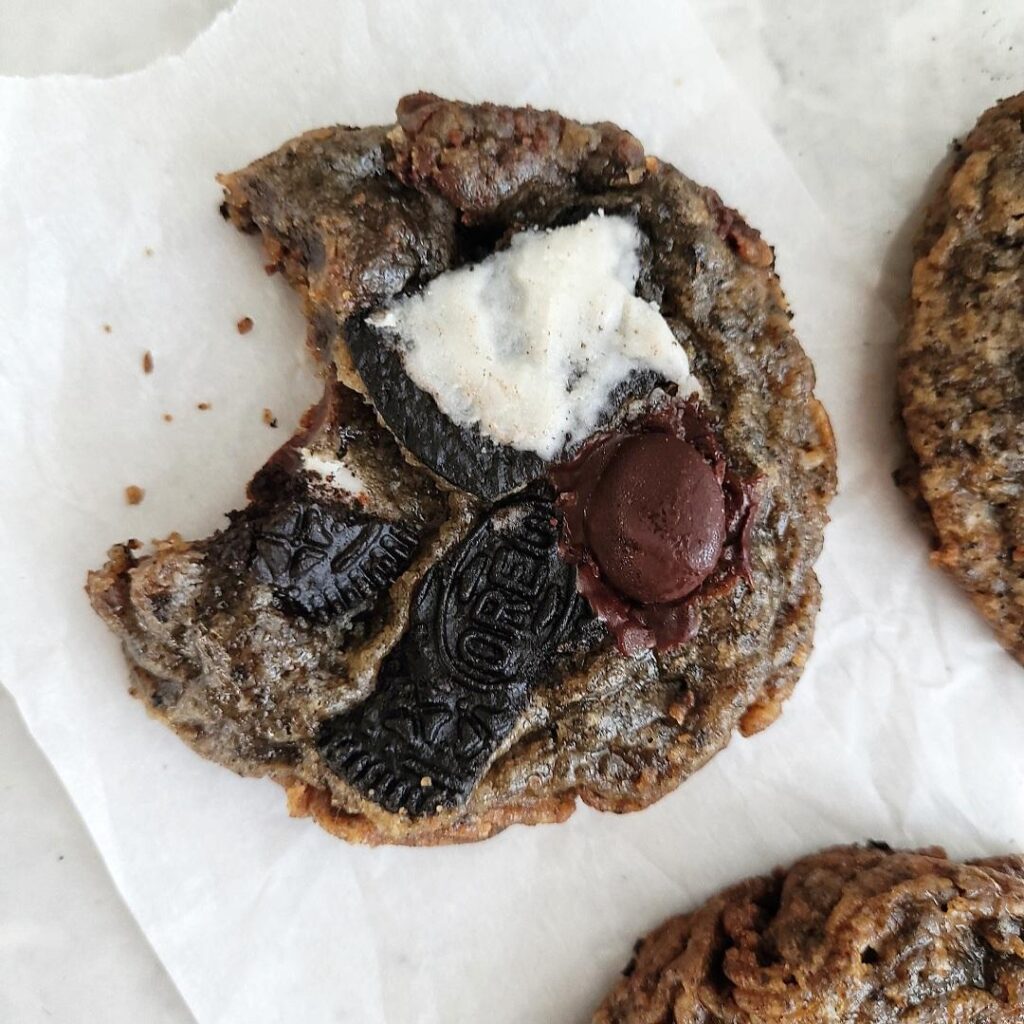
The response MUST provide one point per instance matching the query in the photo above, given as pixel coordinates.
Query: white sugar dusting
(332, 472)
(529, 343)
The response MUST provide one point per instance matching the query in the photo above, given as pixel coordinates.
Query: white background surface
(864, 97)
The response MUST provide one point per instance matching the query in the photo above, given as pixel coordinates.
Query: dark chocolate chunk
(321, 561)
(487, 622)
(460, 455)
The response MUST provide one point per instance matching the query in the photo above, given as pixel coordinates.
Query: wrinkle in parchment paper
(904, 727)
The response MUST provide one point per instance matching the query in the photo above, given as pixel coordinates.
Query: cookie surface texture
(961, 370)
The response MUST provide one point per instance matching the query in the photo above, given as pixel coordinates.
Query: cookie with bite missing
(549, 536)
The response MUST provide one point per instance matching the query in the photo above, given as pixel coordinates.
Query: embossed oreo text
(323, 562)
(486, 622)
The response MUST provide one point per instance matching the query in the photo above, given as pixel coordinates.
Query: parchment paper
(905, 727)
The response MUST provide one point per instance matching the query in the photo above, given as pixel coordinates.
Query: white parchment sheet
(906, 726)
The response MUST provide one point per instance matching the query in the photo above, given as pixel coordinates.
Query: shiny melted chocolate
(654, 520)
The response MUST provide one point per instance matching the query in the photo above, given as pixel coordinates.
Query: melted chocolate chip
(321, 561)
(487, 622)
(654, 519)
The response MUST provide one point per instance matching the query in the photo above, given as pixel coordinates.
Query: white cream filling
(332, 472)
(529, 343)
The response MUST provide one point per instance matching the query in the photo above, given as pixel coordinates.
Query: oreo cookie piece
(389, 630)
(488, 621)
(460, 455)
(961, 371)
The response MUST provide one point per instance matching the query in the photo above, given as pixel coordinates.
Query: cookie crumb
(203, 406)
(107, 328)
(244, 325)
(147, 362)
(679, 709)
(133, 495)
(148, 251)
(168, 417)
(269, 418)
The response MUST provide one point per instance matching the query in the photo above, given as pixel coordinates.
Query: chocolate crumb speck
(107, 328)
(203, 406)
(133, 495)
(244, 325)
(269, 418)
(168, 417)
(147, 362)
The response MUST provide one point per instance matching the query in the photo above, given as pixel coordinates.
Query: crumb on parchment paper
(147, 362)
(244, 325)
(269, 418)
(106, 328)
(168, 417)
(203, 406)
(134, 495)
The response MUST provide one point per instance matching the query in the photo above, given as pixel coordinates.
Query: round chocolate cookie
(961, 370)
(864, 934)
(550, 535)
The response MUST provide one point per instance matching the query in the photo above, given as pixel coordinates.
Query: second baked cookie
(961, 370)
(851, 935)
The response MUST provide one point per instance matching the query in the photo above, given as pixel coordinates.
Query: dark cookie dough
(961, 370)
(852, 934)
(311, 640)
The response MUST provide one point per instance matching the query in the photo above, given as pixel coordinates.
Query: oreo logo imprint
(486, 623)
(325, 562)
